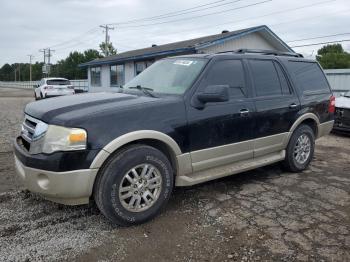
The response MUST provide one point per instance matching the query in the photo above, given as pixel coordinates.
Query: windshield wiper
(145, 90)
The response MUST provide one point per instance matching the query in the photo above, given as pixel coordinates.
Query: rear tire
(134, 185)
(300, 149)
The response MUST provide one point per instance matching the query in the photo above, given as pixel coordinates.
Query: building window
(95, 73)
(140, 66)
(117, 75)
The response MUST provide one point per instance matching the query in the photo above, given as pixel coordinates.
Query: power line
(136, 20)
(318, 37)
(199, 16)
(322, 43)
(166, 14)
(266, 15)
(250, 18)
(92, 30)
(181, 12)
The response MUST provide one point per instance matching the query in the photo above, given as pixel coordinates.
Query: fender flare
(130, 137)
(300, 120)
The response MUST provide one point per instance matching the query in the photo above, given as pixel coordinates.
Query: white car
(342, 113)
(53, 86)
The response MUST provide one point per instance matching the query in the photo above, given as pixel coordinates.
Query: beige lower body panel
(325, 128)
(270, 144)
(69, 188)
(230, 169)
(221, 155)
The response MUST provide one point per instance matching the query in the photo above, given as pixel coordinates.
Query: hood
(67, 108)
(342, 102)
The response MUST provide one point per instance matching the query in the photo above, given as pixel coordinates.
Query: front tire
(300, 149)
(134, 185)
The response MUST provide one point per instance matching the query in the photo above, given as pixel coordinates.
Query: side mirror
(35, 86)
(213, 93)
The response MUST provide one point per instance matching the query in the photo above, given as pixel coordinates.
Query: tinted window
(283, 80)
(265, 78)
(309, 76)
(95, 76)
(228, 72)
(117, 75)
(58, 82)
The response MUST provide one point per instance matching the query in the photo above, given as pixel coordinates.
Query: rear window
(58, 82)
(309, 76)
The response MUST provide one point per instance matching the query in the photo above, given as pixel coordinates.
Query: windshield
(58, 82)
(170, 76)
(347, 94)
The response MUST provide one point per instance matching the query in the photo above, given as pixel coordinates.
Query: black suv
(183, 121)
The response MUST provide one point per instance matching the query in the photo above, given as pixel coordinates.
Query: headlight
(59, 138)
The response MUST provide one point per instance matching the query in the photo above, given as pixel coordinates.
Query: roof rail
(263, 52)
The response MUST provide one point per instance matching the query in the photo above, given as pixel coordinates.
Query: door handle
(244, 112)
(294, 105)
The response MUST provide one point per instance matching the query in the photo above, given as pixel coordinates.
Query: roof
(184, 47)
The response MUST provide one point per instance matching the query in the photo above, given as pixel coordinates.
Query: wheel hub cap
(140, 188)
(302, 149)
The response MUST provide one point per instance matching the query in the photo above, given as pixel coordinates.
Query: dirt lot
(263, 215)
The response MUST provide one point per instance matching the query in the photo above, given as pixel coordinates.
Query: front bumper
(342, 120)
(58, 161)
(69, 188)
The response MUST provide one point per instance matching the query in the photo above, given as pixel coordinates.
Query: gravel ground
(262, 215)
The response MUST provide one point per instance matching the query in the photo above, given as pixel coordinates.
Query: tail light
(331, 106)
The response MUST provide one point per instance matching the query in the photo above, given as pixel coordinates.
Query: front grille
(28, 128)
(32, 130)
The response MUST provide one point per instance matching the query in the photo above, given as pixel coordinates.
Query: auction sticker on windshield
(183, 62)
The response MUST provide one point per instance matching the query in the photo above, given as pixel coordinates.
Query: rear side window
(228, 72)
(309, 76)
(266, 79)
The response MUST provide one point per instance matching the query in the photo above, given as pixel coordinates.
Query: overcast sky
(68, 25)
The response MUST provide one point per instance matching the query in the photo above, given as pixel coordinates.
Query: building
(118, 69)
(339, 79)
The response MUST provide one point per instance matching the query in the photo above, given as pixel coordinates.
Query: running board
(230, 169)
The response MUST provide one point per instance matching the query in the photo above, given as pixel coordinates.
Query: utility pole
(106, 29)
(49, 54)
(30, 67)
(43, 51)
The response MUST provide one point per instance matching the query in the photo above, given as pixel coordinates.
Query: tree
(7, 73)
(107, 49)
(68, 67)
(91, 54)
(333, 57)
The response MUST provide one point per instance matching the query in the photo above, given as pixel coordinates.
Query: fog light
(43, 181)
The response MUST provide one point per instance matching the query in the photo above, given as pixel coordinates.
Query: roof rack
(263, 52)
